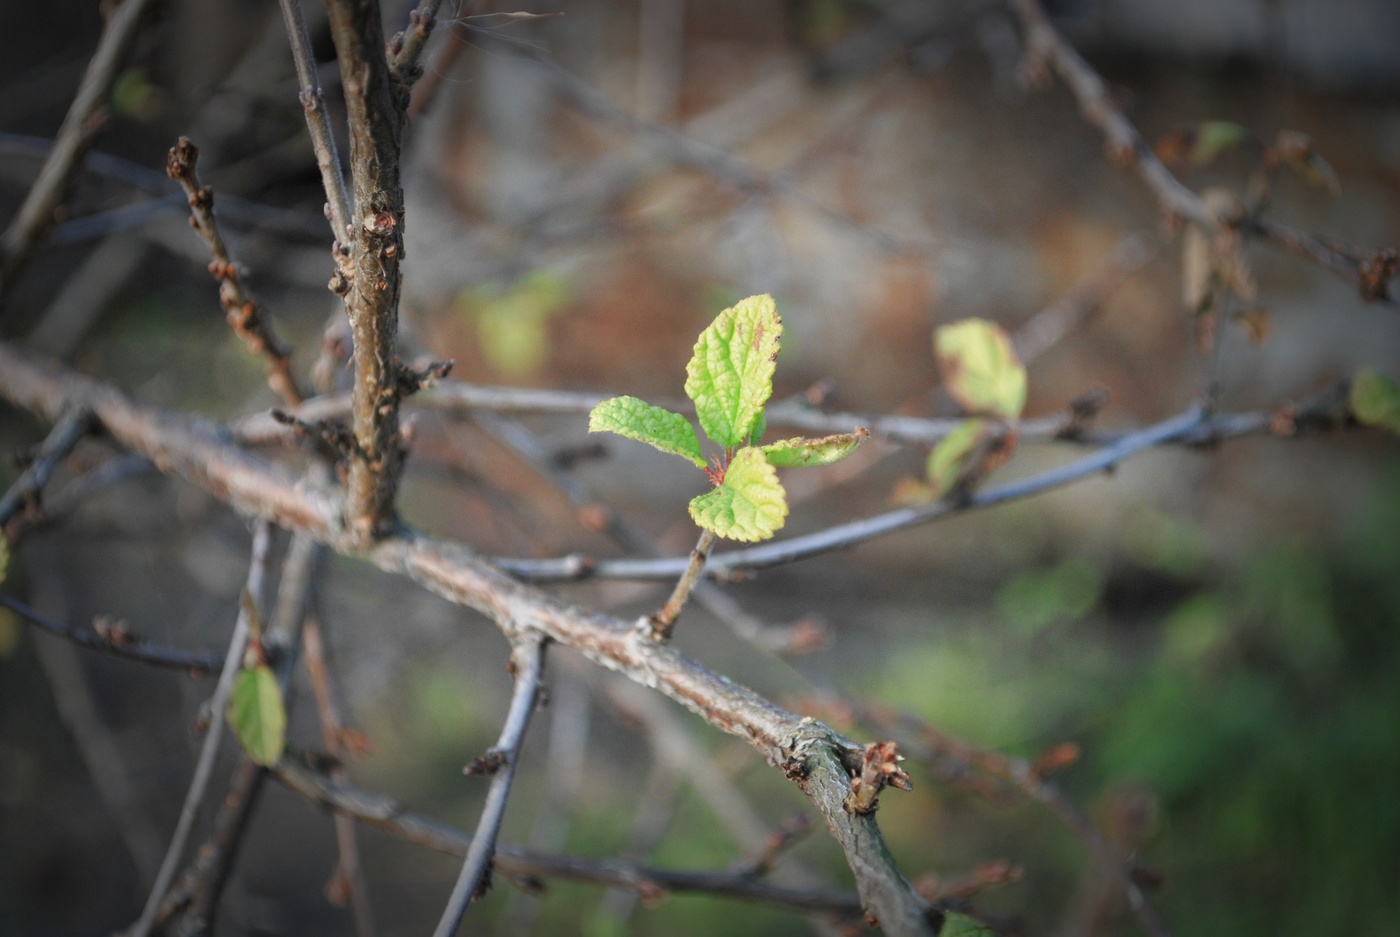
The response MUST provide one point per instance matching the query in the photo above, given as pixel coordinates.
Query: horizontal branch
(386, 815)
(820, 760)
(195, 663)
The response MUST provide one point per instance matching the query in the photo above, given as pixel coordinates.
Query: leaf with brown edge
(980, 368)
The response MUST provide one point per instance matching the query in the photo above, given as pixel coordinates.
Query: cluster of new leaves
(730, 378)
(983, 374)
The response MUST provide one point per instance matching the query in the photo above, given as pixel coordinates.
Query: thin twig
(348, 880)
(406, 48)
(528, 661)
(375, 112)
(1044, 44)
(50, 188)
(389, 817)
(318, 124)
(659, 624)
(61, 440)
(204, 768)
(195, 663)
(242, 310)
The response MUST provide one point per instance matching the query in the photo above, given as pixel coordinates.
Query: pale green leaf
(1215, 137)
(655, 426)
(730, 376)
(1375, 400)
(980, 368)
(949, 460)
(749, 505)
(790, 453)
(960, 925)
(760, 425)
(257, 715)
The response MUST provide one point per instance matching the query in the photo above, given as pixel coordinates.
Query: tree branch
(387, 816)
(242, 310)
(204, 768)
(1044, 44)
(528, 664)
(61, 440)
(375, 113)
(50, 188)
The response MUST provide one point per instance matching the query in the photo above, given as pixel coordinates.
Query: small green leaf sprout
(730, 378)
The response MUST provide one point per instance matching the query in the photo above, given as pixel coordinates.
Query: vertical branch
(35, 216)
(204, 768)
(375, 112)
(407, 47)
(317, 121)
(240, 306)
(528, 661)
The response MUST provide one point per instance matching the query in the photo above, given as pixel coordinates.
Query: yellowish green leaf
(257, 715)
(749, 505)
(980, 368)
(951, 460)
(790, 453)
(1375, 400)
(655, 426)
(730, 376)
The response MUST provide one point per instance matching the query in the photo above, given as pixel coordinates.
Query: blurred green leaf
(980, 368)
(512, 323)
(948, 462)
(1375, 400)
(960, 925)
(749, 505)
(655, 426)
(257, 716)
(730, 376)
(1215, 137)
(1035, 600)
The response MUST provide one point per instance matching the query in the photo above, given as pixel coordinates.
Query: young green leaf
(789, 453)
(1375, 400)
(257, 715)
(730, 376)
(1215, 137)
(749, 505)
(950, 460)
(980, 368)
(655, 426)
(960, 925)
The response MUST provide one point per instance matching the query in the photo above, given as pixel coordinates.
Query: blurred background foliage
(1215, 630)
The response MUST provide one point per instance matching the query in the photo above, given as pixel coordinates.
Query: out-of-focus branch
(375, 114)
(204, 768)
(117, 641)
(318, 124)
(387, 816)
(243, 311)
(500, 762)
(80, 125)
(1045, 46)
(61, 440)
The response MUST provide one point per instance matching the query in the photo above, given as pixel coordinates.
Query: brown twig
(406, 48)
(348, 880)
(527, 662)
(119, 642)
(375, 114)
(1045, 46)
(243, 311)
(61, 440)
(658, 625)
(387, 816)
(313, 101)
(50, 188)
